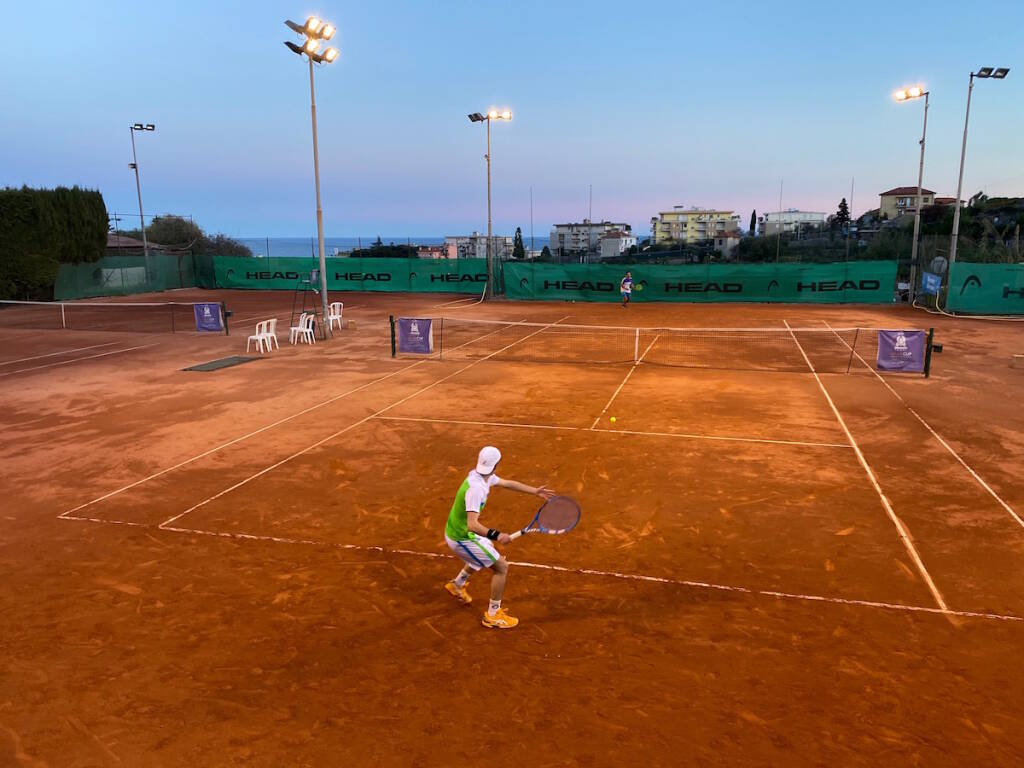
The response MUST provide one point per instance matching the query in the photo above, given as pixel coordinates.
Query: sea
(306, 247)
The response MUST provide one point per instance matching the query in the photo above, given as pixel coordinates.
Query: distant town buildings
(692, 225)
(432, 252)
(585, 237)
(791, 220)
(900, 200)
(726, 242)
(613, 244)
(475, 246)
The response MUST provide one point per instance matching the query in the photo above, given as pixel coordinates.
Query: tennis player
(473, 542)
(626, 288)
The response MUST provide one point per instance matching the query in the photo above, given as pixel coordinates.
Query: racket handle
(517, 534)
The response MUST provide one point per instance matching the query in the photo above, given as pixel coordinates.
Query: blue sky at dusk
(655, 104)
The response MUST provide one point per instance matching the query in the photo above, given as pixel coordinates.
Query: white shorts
(475, 552)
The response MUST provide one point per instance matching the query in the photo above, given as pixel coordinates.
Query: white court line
(934, 434)
(685, 435)
(630, 373)
(342, 431)
(77, 359)
(63, 352)
(878, 488)
(705, 585)
(66, 514)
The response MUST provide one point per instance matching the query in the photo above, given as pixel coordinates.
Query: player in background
(626, 289)
(472, 542)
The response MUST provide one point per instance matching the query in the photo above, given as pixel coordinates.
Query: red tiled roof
(906, 191)
(945, 201)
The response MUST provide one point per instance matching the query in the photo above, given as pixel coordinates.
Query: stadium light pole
(996, 73)
(476, 117)
(314, 31)
(138, 186)
(907, 94)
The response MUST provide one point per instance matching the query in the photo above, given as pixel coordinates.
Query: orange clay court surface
(246, 567)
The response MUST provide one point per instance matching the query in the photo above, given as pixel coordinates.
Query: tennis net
(829, 350)
(139, 317)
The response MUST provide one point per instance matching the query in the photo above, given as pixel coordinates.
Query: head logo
(971, 280)
(524, 283)
(773, 285)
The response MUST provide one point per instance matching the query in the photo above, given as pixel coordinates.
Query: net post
(171, 307)
(440, 339)
(849, 363)
(636, 346)
(224, 318)
(63, 319)
(391, 320)
(928, 354)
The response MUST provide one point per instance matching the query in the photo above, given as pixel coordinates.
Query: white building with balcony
(585, 237)
(790, 220)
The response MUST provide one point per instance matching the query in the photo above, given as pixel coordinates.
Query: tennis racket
(559, 514)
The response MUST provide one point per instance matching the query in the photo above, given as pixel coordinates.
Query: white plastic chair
(270, 334)
(304, 330)
(335, 308)
(259, 337)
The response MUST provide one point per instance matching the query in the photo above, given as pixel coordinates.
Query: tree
(753, 221)
(545, 254)
(180, 234)
(842, 217)
(518, 252)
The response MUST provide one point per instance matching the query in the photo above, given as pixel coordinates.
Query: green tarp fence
(126, 275)
(987, 289)
(854, 281)
(344, 274)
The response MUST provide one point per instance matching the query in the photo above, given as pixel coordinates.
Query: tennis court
(784, 558)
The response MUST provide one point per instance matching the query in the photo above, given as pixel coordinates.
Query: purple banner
(901, 351)
(208, 317)
(415, 335)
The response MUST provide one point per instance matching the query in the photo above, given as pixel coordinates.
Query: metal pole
(849, 224)
(490, 265)
(138, 190)
(917, 214)
(960, 181)
(319, 210)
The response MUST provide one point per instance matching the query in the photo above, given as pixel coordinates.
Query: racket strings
(558, 514)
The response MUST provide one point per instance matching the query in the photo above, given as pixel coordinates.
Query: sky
(649, 104)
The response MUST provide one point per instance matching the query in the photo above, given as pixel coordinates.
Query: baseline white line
(874, 481)
(342, 431)
(55, 354)
(934, 434)
(255, 432)
(76, 360)
(630, 373)
(590, 572)
(844, 446)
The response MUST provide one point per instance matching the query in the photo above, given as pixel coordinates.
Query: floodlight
(313, 25)
(330, 55)
(296, 28)
(900, 95)
(984, 72)
(138, 127)
(328, 31)
(293, 47)
(492, 114)
(312, 45)
(150, 127)
(1000, 73)
(476, 117)
(915, 92)
(506, 115)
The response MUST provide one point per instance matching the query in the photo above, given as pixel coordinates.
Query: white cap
(488, 460)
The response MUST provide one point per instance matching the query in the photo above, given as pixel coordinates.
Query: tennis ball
(613, 419)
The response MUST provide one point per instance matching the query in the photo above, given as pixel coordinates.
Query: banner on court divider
(990, 289)
(208, 317)
(415, 335)
(930, 283)
(901, 351)
(349, 274)
(854, 281)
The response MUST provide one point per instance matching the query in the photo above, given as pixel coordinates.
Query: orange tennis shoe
(500, 620)
(460, 593)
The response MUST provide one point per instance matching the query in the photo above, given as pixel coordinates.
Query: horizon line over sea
(302, 247)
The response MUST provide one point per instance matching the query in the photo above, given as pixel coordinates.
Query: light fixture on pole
(908, 94)
(476, 117)
(134, 165)
(316, 30)
(995, 73)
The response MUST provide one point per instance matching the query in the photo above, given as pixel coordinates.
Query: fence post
(391, 320)
(928, 354)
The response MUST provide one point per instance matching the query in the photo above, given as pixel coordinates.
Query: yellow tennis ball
(613, 418)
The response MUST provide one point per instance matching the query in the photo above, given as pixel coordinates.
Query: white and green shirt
(471, 497)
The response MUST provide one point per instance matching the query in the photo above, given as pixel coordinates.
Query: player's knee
(501, 566)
